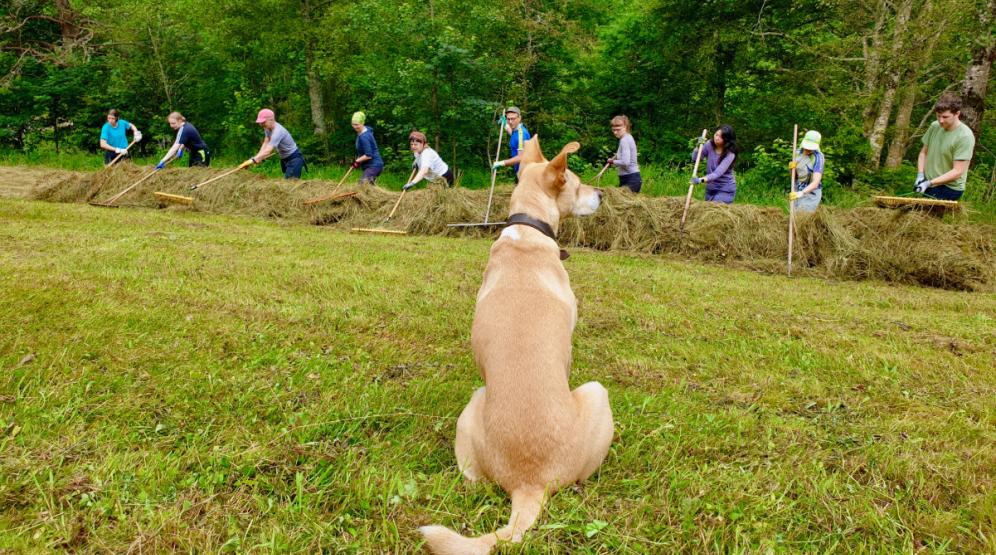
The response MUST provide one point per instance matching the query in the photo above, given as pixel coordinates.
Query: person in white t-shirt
(430, 165)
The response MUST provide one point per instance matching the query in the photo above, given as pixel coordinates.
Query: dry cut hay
(863, 243)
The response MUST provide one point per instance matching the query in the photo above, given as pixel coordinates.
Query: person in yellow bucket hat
(807, 191)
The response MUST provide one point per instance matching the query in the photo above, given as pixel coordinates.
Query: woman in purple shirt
(721, 155)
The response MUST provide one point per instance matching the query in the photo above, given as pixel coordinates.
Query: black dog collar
(538, 225)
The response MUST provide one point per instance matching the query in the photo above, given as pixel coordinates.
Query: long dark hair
(729, 142)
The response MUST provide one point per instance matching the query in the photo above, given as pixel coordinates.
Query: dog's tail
(526, 506)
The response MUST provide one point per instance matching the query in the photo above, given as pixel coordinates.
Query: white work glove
(922, 186)
(408, 185)
(498, 165)
(120, 150)
(137, 136)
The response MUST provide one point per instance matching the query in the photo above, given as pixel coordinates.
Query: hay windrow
(863, 243)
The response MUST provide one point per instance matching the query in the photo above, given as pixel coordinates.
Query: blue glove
(160, 165)
(503, 121)
(697, 180)
(179, 154)
(408, 185)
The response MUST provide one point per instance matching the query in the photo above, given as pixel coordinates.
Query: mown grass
(173, 381)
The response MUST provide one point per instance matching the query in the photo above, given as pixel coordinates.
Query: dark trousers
(943, 192)
(370, 174)
(109, 156)
(631, 180)
(292, 165)
(199, 158)
(448, 176)
(725, 197)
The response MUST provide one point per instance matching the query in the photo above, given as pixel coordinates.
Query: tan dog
(526, 429)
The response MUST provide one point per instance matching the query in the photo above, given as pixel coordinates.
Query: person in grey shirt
(279, 139)
(625, 157)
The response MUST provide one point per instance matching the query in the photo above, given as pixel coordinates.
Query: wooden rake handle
(403, 191)
(118, 157)
(243, 165)
(115, 198)
(691, 186)
(598, 178)
(791, 232)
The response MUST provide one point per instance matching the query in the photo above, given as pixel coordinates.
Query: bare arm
(264, 150)
(814, 182)
(421, 174)
(105, 146)
(921, 160)
(959, 169)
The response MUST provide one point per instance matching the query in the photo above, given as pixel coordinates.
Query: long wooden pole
(403, 191)
(115, 198)
(118, 157)
(343, 180)
(217, 177)
(243, 165)
(494, 171)
(691, 186)
(598, 178)
(795, 139)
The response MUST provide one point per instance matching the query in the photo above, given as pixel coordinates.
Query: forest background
(865, 73)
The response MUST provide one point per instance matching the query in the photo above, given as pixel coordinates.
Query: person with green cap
(517, 137)
(367, 153)
(807, 191)
(942, 167)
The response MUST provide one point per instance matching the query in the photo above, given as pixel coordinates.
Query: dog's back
(526, 429)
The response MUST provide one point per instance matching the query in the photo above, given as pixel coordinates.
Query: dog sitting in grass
(525, 429)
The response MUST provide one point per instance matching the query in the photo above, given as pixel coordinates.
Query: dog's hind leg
(469, 434)
(595, 427)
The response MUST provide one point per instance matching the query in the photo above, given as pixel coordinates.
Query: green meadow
(180, 382)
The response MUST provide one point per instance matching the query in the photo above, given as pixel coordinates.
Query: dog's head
(554, 180)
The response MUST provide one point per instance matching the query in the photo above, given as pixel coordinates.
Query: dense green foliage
(445, 67)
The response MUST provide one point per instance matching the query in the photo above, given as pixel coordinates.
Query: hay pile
(863, 243)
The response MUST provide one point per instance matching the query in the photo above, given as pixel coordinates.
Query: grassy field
(185, 382)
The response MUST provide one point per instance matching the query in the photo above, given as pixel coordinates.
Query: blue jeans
(292, 165)
(943, 192)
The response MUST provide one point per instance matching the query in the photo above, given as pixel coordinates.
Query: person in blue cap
(517, 137)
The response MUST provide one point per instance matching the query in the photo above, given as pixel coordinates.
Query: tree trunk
(311, 73)
(876, 138)
(315, 92)
(973, 92)
(900, 141)
(872, 50)
(68, 22)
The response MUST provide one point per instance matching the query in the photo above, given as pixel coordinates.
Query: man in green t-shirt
(942, 167)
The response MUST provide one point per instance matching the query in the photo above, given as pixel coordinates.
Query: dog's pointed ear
(531, 153)
(558, 166)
